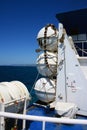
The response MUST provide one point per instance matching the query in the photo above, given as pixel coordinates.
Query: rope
(34, 83)
(45, 46)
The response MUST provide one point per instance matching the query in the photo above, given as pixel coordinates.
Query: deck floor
(40, 111)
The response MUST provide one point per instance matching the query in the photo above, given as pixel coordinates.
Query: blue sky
(20, 21)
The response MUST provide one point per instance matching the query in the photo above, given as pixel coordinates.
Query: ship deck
(46, 112)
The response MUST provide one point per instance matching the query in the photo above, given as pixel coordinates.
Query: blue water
(25, 74)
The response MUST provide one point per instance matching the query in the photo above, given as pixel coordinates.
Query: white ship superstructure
(71, 65)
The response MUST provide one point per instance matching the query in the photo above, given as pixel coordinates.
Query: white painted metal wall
(71, 81)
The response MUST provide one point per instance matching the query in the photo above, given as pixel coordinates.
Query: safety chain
(45, 37)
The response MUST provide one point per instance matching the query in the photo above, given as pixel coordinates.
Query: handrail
(43, 119)
(14, 100)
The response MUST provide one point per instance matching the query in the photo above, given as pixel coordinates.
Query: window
(81, 48)
(80, 42)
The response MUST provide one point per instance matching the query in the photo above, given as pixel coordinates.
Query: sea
(25, 74)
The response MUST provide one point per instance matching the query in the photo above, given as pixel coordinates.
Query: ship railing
(4, 105)
(14, 101)
(41, 119)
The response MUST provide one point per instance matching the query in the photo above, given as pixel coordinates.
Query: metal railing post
(2, 122)
(24, 112)
(43, 127)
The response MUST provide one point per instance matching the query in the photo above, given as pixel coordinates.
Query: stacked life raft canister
(47, 63)
(13, 95)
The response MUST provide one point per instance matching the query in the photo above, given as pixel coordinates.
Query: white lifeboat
(12, 95)
(45, 90)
